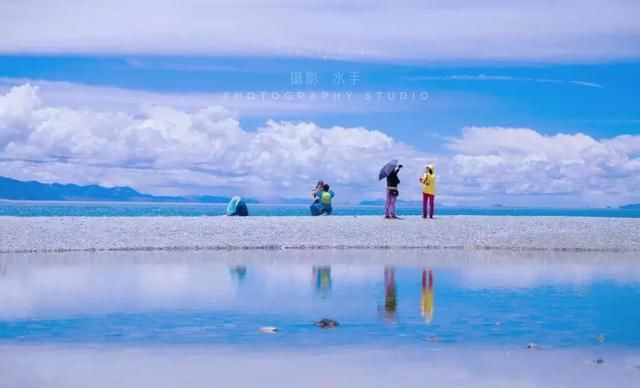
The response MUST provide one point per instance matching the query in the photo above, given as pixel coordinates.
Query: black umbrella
(387, 169)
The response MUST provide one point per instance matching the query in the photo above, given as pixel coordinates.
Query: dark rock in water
(326, 323)
(599, 361)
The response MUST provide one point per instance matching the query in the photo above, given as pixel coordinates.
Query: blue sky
(601, 103)
(569, 82)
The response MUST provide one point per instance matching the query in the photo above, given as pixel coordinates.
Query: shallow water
(197, 298)
(575, 308)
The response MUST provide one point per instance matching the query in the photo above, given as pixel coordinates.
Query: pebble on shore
(38, 234)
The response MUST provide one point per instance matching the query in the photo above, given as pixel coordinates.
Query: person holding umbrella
(390, 171)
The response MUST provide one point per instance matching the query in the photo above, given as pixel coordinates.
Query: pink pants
(425, 198)
(390, 205)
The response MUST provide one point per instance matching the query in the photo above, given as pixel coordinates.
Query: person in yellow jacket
(428, 181)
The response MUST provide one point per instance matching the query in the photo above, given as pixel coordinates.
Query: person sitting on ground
(325, 195)
(316, 207)
(237, 207)
(315, 190)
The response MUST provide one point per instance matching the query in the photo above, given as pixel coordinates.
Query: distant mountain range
(631, 206)
(36, 191)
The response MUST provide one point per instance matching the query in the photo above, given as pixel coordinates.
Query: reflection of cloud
(361, 274)
(281, 276)
(33, 291)
(303, 275)
(524, 275)
(277, 281)
(177, 284)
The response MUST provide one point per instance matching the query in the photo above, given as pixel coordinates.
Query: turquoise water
(203, 299)
(93, 209)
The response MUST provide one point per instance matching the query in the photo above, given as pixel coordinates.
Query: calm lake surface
(197, 298)
(459, 317)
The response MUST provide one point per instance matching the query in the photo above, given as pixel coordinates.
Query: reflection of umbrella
(387, 169)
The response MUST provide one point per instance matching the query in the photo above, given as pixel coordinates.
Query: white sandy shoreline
(60, 234)
(173, 366)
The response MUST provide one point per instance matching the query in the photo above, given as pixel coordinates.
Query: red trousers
(425, 198)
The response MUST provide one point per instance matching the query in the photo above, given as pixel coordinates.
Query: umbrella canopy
(387, 169)
(233, 205)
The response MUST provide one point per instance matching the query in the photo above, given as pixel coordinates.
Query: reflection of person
(322, 277)
(428, 181)
(392, 193)
(239, 272)
(390, 301)
(426, 300)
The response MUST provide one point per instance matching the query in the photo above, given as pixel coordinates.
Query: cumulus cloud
(558, 31)
(203, 151)
(165, 150)
(518, 161)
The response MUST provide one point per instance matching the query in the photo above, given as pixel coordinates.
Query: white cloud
(202, 151)
(165, 150)
(109, 98)
(570, 30)
(576, 168)
(246, 103)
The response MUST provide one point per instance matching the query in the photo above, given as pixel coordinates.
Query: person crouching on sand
(318, 187)
(428, 181)
(325, 195)
(392, 193)
(316, 207)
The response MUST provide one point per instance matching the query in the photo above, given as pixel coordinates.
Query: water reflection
(227, 300)
(390, 308)
(238, 273)
(426, 298)
(322, 283)
(322, 278)
(390, 298)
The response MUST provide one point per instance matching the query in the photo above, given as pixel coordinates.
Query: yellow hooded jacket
(429, 181)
